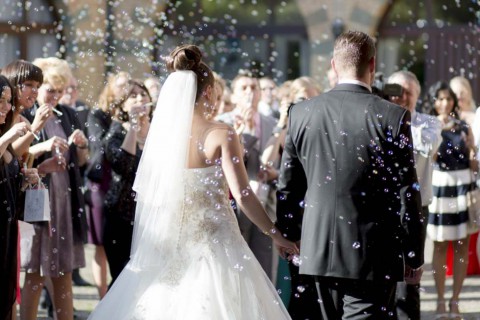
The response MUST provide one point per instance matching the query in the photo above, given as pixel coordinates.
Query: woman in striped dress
(452, 179)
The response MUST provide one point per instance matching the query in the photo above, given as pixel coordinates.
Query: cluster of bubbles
(233, 34)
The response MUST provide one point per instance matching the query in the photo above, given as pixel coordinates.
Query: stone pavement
(86, 298)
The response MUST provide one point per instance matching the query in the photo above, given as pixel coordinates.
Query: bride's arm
(237, 179)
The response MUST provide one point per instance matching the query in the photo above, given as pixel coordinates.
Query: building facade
(437, 39)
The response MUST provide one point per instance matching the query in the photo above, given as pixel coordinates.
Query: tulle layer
(214, 283)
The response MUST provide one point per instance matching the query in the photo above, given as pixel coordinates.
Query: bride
(188, 259)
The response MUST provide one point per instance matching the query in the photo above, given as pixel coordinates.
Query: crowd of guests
(87, 158)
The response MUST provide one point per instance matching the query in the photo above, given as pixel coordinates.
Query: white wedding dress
(211, 275)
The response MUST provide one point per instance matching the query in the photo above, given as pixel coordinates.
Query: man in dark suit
(348, 166)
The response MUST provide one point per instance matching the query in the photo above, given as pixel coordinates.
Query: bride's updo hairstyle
(189, 57)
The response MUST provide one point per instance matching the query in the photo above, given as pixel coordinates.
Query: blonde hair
(218, 80)
(352, 52)
(463, 82)
(300, 85)
(56, 72)
(107, 99)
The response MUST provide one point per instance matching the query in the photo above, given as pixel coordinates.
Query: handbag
(37, 204)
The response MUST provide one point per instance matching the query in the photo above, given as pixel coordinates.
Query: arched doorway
(435, 39)
(28, 30)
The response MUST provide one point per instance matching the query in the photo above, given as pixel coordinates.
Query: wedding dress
(189, 260)
(214, 275)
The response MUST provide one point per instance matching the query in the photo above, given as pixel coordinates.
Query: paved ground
(86, 298)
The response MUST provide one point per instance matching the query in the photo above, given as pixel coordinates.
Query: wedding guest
(303, 296)
(98, 172)
(268, 104)
(56, 248)
(255, 130)
(26, 78)
(70, 98)
(13, 180)
(426, 134)
(219, 86)
(466, 105)
(123, 148)
(153, 86)
(448, 220)
(226, 104)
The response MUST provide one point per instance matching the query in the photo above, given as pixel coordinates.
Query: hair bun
(186, 57)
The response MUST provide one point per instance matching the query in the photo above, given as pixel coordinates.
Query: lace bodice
(207, 213)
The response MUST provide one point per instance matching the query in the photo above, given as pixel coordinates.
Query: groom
(348, 166)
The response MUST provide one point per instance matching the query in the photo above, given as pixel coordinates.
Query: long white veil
(159, 181)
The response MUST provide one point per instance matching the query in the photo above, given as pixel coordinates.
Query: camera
(385, 90)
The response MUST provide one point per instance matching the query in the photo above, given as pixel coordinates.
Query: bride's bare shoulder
(220, 128)
(220, 132)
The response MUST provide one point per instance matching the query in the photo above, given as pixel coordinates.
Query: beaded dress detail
(212, 275)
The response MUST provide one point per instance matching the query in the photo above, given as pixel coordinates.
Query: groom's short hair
(352, 52)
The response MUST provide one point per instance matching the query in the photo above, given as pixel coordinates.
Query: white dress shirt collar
(357, 82)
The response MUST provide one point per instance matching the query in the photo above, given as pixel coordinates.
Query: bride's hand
(285, 247)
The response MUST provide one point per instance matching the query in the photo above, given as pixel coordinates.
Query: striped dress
(451, 181)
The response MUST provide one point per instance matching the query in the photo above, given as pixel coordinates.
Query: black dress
(119, 205)
(11, 200)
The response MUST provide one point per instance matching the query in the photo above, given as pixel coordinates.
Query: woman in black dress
(123, 149)
(11, 199)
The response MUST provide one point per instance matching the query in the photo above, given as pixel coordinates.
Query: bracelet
(271, 231)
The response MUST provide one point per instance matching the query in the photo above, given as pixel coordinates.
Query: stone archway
(319, 16)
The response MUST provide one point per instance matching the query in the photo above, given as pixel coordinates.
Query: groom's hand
(413, 276)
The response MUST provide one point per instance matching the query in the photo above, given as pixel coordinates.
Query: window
(435, 39)
(28, 30)
(236, 34)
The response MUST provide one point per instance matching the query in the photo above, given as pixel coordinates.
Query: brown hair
(301, 85)
(19, 71)
(117, 106)
(189, 57)
(352, 52)
(107, 99)
(4, 83)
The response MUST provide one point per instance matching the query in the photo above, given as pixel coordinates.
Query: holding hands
(286, 248)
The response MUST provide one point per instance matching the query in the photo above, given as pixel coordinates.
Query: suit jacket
(255, 145)
(348, 163)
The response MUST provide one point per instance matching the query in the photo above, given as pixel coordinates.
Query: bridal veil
(159, 182)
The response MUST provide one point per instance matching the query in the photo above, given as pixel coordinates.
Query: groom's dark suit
(349, 154)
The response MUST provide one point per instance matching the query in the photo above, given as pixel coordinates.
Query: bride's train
(212, 275)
